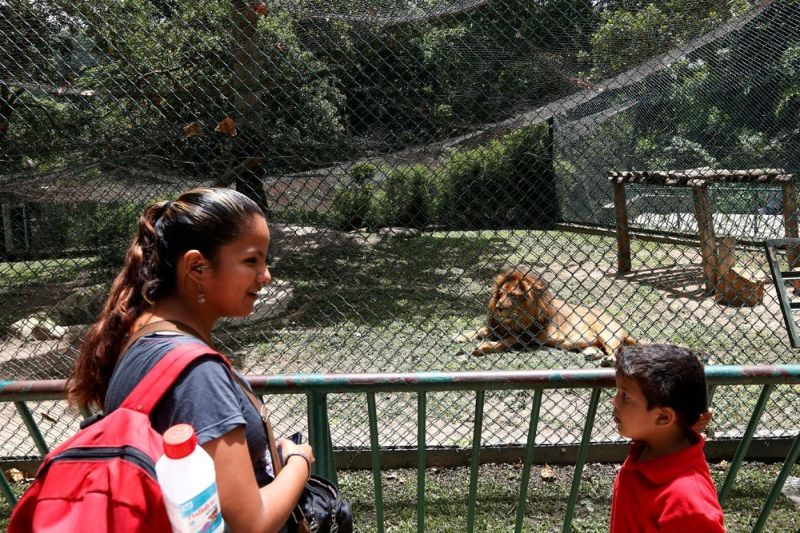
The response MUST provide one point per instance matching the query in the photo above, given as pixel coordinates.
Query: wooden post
(8, 228)
(790, 225)
(623, 238)
(704, 211)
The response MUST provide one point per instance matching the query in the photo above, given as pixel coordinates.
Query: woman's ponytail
(128, 298)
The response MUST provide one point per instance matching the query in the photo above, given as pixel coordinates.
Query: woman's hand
(287, 448)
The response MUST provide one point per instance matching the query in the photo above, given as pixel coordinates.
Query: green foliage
(112, 228)
(508, 183)
(351, 204)
(405, 198)
(635, 33)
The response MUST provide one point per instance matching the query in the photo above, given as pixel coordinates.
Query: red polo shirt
(673, 493)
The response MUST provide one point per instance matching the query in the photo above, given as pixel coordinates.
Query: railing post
(744, 445)
(791, 459)
(320, 437)
(8, 492)
(581, 459)
(421, 408)
(526, 466)
(476, 452)
(375, 452)
(33, 429)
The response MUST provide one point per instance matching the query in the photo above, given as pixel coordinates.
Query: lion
(523, 310)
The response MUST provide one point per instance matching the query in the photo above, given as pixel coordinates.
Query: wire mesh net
(405, 153)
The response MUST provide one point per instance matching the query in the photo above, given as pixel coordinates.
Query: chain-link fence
(405, 153)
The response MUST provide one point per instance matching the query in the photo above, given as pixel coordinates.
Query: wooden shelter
(715, 272)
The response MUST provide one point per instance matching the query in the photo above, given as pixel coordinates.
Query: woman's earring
(201, 296)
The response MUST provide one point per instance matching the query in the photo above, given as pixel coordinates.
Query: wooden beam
(704, 211)
(790, 225)
(623, 238)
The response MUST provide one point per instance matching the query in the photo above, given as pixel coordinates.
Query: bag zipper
(126, 453)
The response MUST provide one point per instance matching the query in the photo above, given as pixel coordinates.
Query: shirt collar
(663, 469)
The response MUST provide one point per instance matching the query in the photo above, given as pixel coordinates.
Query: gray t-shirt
(204, 396)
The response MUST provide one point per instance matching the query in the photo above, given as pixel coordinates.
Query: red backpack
(103, 479)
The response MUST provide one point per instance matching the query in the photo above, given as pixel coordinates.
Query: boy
(664, 484)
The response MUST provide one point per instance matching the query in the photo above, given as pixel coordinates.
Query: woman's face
(239, 271)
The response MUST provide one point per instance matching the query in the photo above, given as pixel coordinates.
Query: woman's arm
(245, 506)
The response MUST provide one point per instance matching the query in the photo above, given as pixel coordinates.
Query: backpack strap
(263, 413)
(146, 395)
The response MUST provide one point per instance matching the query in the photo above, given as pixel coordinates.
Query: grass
(446, 493)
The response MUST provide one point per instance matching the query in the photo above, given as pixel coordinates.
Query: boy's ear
(666, 416)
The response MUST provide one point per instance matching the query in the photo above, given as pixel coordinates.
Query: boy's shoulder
(690, 496)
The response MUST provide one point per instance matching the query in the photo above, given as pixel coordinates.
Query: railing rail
(316, 387)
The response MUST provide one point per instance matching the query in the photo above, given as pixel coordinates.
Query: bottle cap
(179, 441)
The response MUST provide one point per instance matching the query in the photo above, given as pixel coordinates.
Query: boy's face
(634, 420)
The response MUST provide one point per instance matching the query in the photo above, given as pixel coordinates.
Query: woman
(193, 261)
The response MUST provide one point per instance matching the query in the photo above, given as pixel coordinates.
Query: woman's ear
(194, 265)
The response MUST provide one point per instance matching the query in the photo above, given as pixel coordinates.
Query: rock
(403, 233)
(81, 306)
(38, 328)
(791, 489)
(14, 475)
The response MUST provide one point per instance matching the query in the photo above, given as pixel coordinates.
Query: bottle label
(201, 514)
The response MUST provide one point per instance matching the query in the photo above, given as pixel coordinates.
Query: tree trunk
(246, 71)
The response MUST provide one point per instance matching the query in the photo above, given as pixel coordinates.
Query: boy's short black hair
(669, 376)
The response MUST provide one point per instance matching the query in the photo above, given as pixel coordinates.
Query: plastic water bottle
(188, 482)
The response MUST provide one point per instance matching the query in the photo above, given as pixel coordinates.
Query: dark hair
(669, 376)
(200, 219)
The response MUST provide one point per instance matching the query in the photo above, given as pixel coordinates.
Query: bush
(112, 229)
(509, 183)
(404, 199)
(351, 204)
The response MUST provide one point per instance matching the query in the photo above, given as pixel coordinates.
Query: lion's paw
(484, 348)
(608, 361)
(461, 337)
(592, 353)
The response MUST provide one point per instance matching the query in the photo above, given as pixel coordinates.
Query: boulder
(37, 328)
(81, 306)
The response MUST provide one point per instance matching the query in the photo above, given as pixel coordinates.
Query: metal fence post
(526, 467)
(33, 429)
(581, 459)
(375, 452)
(791, 459)
(421, 408)
(476, 452)
(744, 445)
(320, 436)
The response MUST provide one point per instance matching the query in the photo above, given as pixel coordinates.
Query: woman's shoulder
(143, 355)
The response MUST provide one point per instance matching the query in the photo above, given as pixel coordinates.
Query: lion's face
(517, 300)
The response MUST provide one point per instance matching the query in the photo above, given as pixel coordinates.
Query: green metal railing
(316, 387)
